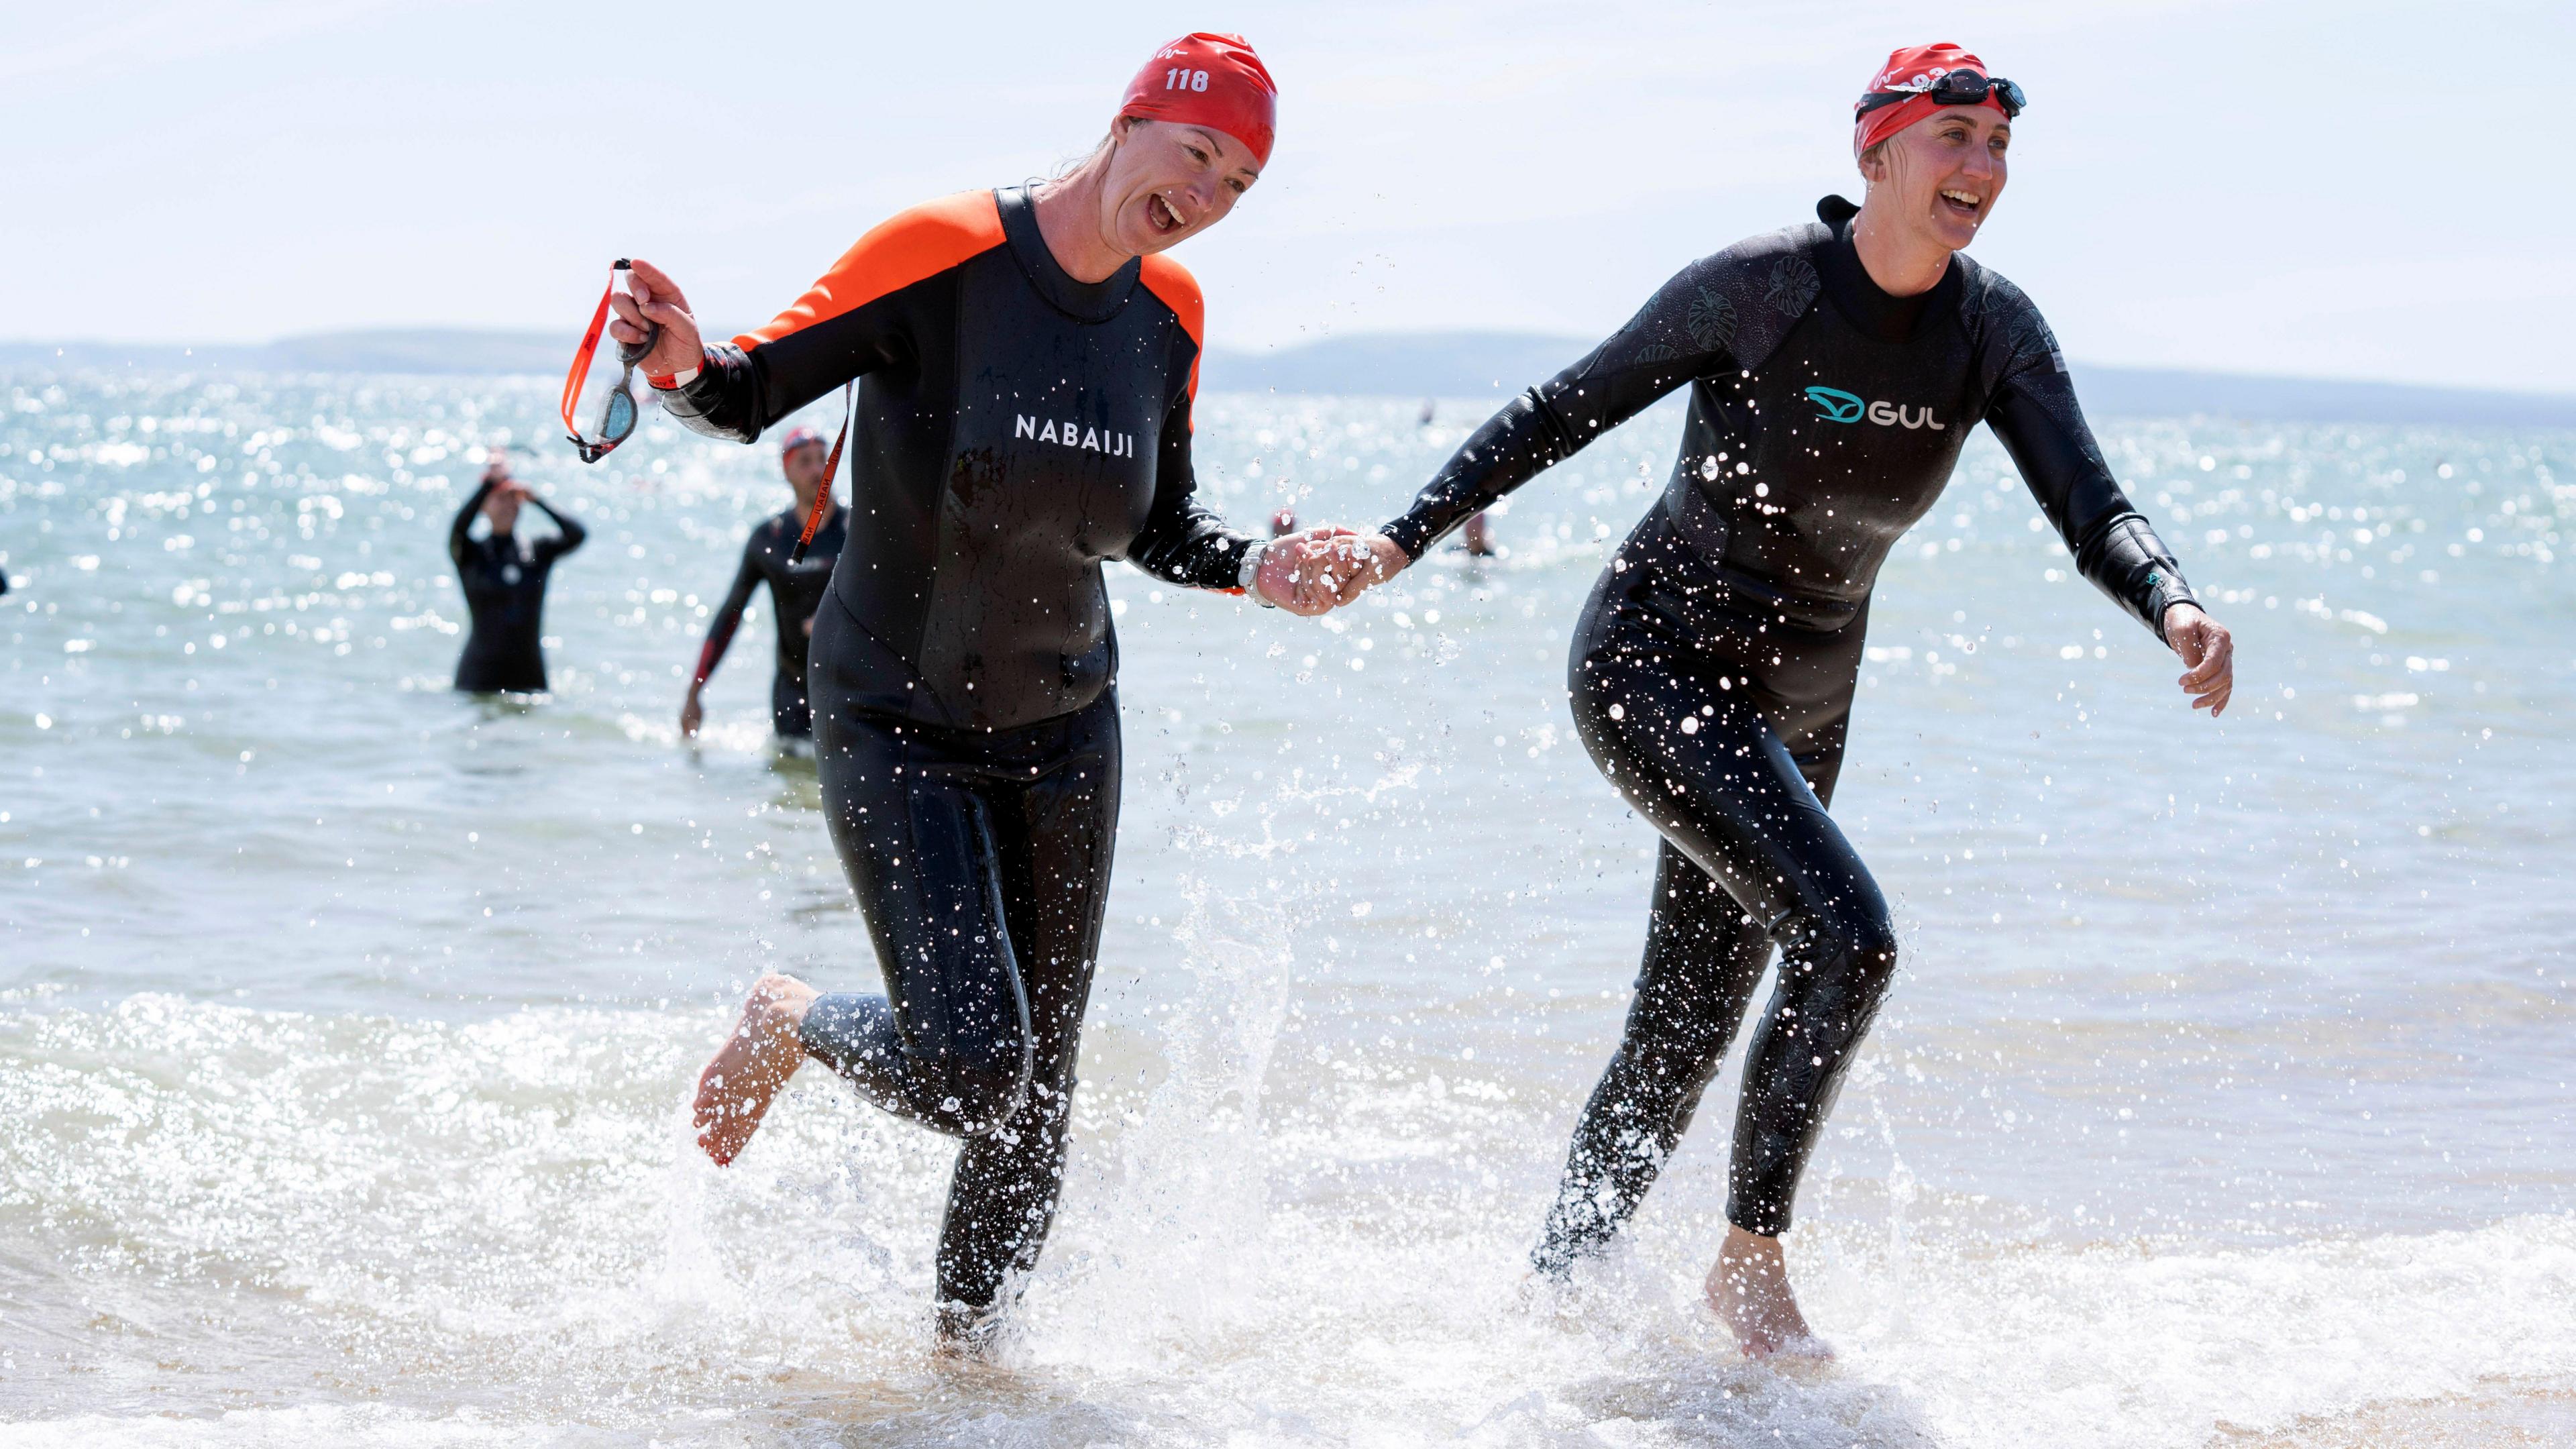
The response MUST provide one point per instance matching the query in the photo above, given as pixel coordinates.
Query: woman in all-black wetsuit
(505, 586)
(797, 587)
(1026, 364)
(1835, 369)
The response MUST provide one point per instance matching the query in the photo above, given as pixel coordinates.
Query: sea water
(347, 1024)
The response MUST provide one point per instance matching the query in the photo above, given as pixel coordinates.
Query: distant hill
(1407, 364)
(1482, 364)
(427, 350)
(419, 349)
(2155, 392)
(1403, 364)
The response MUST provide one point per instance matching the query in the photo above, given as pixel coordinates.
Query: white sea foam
(499, 1230)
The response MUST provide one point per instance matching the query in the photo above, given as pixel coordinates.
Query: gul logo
(1071, 434)
(1837, 406)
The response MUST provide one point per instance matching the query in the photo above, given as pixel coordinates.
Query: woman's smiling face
(1169, 181)
(1944, 172)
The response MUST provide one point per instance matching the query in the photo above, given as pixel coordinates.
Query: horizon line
(60, 345)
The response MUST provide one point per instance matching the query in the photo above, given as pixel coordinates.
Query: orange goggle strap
(580, 374)
(831, 468)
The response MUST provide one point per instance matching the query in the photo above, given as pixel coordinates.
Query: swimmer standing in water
(1835, 369)
(1027, 362)
(796, 590)
(505, 584)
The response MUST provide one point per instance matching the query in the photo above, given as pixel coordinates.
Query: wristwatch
(1248, 577)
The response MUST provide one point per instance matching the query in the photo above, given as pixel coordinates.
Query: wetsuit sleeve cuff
(2170, 589)
(1410, 534)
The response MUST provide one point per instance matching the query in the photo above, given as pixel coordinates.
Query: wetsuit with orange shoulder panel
(1015, 429)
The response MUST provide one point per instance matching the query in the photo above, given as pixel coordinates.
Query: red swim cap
(1914, 67)
(1209, 80)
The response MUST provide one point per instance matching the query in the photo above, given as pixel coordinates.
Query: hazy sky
(2337, 189)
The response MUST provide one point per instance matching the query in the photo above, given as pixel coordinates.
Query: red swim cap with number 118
(1210, 80)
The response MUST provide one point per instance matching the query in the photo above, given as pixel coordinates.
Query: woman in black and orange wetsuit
(1835, 369)
(1026, 361)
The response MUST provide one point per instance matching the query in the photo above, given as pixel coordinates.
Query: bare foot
(1748, 1290)
(756, 1060)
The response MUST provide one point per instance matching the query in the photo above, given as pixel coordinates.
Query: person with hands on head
(796, 589)
(505, 583)
(1834, 370)
(1026, 360)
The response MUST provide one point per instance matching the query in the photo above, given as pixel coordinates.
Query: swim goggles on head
(617, 412)
(1950, 88)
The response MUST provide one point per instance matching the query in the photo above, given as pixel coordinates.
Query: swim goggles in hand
(617, 411)
(1951, 88)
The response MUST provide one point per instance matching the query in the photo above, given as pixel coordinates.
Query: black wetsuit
(795, 594)
(1713, 668)
(1015, 428)
(505, 594)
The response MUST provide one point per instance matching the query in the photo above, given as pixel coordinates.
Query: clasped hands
(1322, 568)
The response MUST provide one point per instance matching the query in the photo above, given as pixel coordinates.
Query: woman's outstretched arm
(1669, 342)
(2032, 408)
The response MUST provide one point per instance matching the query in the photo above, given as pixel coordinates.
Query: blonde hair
(1099, 149)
